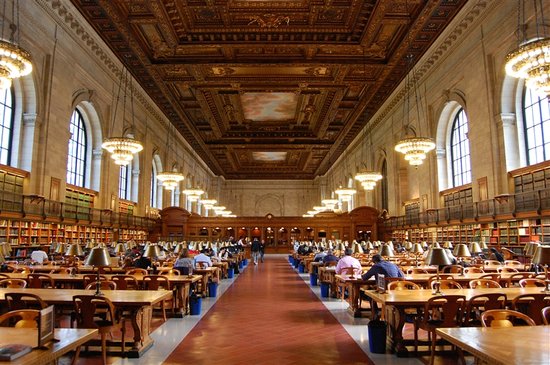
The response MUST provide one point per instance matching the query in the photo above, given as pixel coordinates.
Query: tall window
(154, 188)
(536, 114)
(384, 185)
(6, 125)
(123, 190)
(76, 162)
(460, 150)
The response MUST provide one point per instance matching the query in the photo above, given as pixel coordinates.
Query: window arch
(124, 182)
(155, 199)
(78, 151)
(536, 127)
(6, 125)
(460, 150)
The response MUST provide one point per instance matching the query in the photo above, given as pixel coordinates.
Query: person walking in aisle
(255, 250)
(262, 250)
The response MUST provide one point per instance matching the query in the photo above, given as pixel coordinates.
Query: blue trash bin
(301, 268)
(325, 288)
(296, 263)
(240, 265)
(313, 279)
(212, 289)
(377, 336)
(195, 304)
(230, 273)
(245, 262)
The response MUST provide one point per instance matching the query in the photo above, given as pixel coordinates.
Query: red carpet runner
(268, 316)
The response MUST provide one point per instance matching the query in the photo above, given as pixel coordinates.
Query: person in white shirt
(39, 256)
(202, 257)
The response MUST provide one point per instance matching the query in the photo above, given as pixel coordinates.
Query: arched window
(384, 185)
(460, 150)
(153, 202)
(536, 117)
(124, 182)
(6, 125)
(78, 147)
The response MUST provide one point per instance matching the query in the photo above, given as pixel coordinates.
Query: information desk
(69, 339)
(136, 302)
(394, 303)
(502, 346)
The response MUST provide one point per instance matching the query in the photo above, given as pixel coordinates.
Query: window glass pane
(536, 116)
(76, 160)
(460, 150)
(6, 125)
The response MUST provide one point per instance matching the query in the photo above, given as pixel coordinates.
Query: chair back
(331, 263)
(4, 276)
(22, 318)
(515, 278)
(494, 277)
(351, 271)
(444, 311)
(447, 284)
(402, 285)
(473, 269)
(38, 281)
(136, 271)
(87, 308)
(441, 277)
(511, 263)
(201, 265)
(92, 278)
(155, 282)
(506, 269)
(103, 285)
(482, 302)
(504, 318)
(416, 270)
(18, 301)
(491, 263)
(183, 270)
(532, 282)
(532, 305)
(483, 283)
(168, 271)
(453, 269)
(13, 283)
(546, 315)
(125, 282)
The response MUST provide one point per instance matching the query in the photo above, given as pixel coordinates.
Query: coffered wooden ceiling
(269, 89)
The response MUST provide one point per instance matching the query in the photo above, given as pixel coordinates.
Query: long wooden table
(68, 339)
(502, 346)
(400, 300)
(138, 303)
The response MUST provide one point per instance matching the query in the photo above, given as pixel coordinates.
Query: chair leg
(432, 356)
(75, 356)
(123, 331)
(104, 348)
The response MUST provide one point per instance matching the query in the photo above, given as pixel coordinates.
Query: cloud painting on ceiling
(269, 156)
(269, 107)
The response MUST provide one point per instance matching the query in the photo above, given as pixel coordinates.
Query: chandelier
(415, 149)
(329, 204)
(170, 180)
(122, 149)
(531, 60)
(218, 209)
(14, 61)
(368, 179)
(208, 203)
(346, 194)
(193, 194)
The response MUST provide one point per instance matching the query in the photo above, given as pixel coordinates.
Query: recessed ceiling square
(269, 107)
(269, 156)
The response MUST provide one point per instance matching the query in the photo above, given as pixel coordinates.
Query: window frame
(460, 160)
(539, 126)
(80, 156)
(10, 127)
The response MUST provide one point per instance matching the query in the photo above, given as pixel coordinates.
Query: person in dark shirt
(330, 257)
(143, 262)
(495, 255)
(386, 268)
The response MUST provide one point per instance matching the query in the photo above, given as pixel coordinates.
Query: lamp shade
(178, 248)
(74, 250)
(151, 251)
(542, 255)
(461, 250)
(531, 249)
(98, 257)
(386, 251)
(357, 248)
(475, 248)
(438, 257)
(90, 245)
(119, 248)
(417, 249)
(435, 245)
(447, 244)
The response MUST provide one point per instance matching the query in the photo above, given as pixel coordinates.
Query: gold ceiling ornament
(122, 149)
(531, 60)
(15, 62)
(269, 20)
(193, 194)
(345, 194)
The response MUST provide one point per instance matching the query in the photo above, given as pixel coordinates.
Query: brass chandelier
(170, 179)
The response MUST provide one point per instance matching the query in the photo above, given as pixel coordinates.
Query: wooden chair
(402, 285)
(491, 263)
(330, 263)
(156, 282)
(514, 279)
(104, 270)
(103, 285)
(416, 270)
(37, 281)
(125, 282)
(201, 265)
(452, 269)
(4, 276)
(17, 301)
(22, 270)
(512, 263)
(483, 283)
(92, 311)
(22, 318)
(441, 311)
(500, 270)
(532, 305)
(494, 277)
(473, 269)
(168, 271)
(447, 284)
(92, 278)
(504, 318)
(13, 283)
(136, 271)
(64, 270)
(546, 315)
(531, 282)
(441, 277)
(481, 303)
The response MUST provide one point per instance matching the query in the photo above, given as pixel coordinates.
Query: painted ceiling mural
(269, 89)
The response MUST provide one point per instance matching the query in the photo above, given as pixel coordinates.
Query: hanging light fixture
(208, 203)
(170, 179)
(329, 204)
(345, 194)
(122, 149)
(15, 62)
(531, 60)
(368, 178)
(193, 194)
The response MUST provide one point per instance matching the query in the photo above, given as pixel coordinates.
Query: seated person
(202, 257)
(330, 257)
(143, 262)
(184, 263)
(319, 255)
(495, 255)
(386, 268)
(348, 261)
(39, 256)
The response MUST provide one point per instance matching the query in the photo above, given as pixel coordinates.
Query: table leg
(396, 321)
(141, 324)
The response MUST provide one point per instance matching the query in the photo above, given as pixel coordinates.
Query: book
(13, 351)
